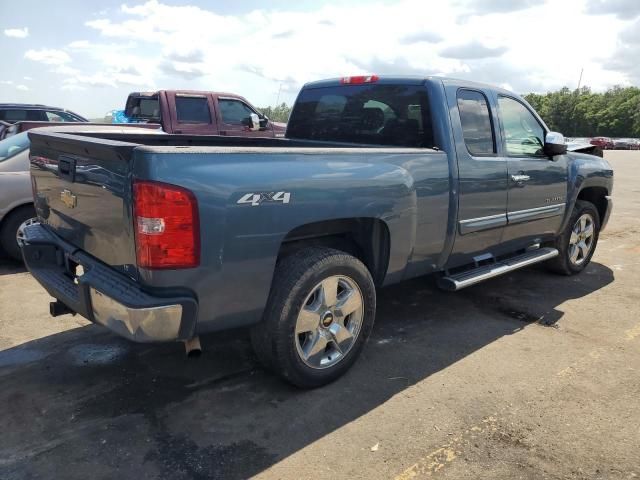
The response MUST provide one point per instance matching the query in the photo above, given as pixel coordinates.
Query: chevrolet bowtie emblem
(68, 198)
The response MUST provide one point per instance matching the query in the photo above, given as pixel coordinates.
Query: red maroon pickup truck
(201, 113)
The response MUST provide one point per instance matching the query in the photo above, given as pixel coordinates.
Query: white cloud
(28, 79)
(24, 88)
(80, 44)
(65, 70)
(502, 43)
(271, 52)
(6, 82)
(17, 32)
(72, 87)
(48, 56)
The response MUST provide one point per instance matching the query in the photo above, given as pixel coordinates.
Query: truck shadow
(86, 403)
(9, 266)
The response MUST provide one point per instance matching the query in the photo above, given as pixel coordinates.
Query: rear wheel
(11, 230)
(319, 314)
(578, 242)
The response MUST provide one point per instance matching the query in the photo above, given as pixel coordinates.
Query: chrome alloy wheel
(581, 241)
(329, 322)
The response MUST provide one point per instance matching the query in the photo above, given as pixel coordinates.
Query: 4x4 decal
(256, 199)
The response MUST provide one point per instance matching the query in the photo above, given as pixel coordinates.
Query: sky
(87, 56)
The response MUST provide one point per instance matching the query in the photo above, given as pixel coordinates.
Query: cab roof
(408, 80)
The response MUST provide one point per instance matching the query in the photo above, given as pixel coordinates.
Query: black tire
(296, 276)
(562, 264)
(9, 230)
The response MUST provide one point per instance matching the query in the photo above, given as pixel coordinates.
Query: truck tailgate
(82, 189)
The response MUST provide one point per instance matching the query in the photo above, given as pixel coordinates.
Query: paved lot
(527, 376)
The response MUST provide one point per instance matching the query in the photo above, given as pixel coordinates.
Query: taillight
(359, 79)
(167, 228)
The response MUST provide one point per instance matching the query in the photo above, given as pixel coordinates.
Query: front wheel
(319, 314)
(578, 242)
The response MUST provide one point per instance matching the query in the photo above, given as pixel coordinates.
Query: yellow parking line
(633, 332)
(439, 458)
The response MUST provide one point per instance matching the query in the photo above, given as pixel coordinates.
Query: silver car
(16, 198)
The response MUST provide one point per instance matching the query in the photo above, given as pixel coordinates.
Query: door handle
(520, 178)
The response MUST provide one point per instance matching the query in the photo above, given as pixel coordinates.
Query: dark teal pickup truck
(379, 179)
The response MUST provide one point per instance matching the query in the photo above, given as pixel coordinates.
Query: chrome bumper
(139, 324)
(105, 296)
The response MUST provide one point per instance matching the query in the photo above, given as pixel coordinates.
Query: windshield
(13, 145)
(396, 115)
(143, 108)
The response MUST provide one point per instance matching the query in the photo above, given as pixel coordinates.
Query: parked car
(17, 112)
(603, 142)
(621, 144)
(16, 197)
(583, 145)
(201, 113)
(634, 144)
(379, 180)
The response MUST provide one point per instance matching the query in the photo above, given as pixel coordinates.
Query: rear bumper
(104, 295)
(607, 213)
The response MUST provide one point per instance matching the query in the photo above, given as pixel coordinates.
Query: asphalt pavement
(530, 375)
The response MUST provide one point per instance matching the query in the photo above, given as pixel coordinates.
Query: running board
(477, 275)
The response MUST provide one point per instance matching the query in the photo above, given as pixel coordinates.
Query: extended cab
(164, 238)
(201, 113)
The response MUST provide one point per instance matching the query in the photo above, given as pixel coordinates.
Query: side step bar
(477, 275)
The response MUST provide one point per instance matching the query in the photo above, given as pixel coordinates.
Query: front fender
(586, 171)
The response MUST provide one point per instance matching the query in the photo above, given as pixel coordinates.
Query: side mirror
(554, 144)
(252, 121)
(264, 122)
(255, 122)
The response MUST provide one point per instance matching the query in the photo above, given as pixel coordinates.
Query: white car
(16, 198)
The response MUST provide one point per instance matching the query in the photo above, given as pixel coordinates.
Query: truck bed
(140, 139)
(83, 181)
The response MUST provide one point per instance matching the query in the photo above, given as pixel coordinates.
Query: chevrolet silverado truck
(379, 179)
(190, 112)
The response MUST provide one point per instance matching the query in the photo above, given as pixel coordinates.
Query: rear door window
(475, 118)
(192, 109)
(372, 114)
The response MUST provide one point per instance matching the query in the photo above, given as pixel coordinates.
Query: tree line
(583, 113)
(279, 113)
(575, 113)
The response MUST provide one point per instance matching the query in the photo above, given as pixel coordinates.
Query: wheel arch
(13, 210)
(366, 238)
(597, 196)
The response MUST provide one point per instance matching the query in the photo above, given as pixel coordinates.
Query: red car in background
(603, 142)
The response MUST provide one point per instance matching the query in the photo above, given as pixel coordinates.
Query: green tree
(279, 113)
(583, 113)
